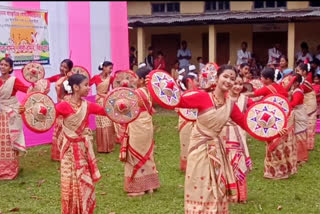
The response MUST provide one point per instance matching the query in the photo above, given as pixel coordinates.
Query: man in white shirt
(274, 55)
(303, 54)
(243, 55)
(184, 55)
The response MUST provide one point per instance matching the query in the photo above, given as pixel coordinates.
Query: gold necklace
(218, 102)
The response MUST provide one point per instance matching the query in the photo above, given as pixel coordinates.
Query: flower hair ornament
(67, 87)
(276, 72)
(141, 65)
(308, 64)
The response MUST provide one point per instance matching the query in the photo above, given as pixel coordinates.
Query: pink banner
(119, 35)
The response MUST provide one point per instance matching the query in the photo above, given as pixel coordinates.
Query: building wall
(241, 5)
(193, 35)
(191, 6)
(297, 4)
(308, 32)
(139, 8)
(144, 7)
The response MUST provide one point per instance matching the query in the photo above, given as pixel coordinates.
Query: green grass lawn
(37, 189)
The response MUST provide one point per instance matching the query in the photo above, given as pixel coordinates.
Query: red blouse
(18, 86)
(304, 87)
(202, 102)
(65, 109)
(54, 78)
(297, 99)
(95, 80)
(265, 91)
(316, 89)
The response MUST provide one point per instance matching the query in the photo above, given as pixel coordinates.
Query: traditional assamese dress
(105, 132)
(185, 129)
(310, 102)
(209, 179)
(58, 79)
(12, 139)
(79, 170)
(281, 154)
(140, 173)
(235, 142)
(299, 112)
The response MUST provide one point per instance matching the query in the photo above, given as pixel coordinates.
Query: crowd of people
(214, 152)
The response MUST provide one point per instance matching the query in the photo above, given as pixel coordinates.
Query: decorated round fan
(264, 120)
(164, 89)
(188, 114)
(40, 113)
(42, 85)
(257, 84)
(281, 101)
(126, 78)
(32, 72)
(122, 105)
(248, 87)
(80, 70)
(208, 75)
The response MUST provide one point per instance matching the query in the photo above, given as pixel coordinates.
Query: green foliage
(37, 189)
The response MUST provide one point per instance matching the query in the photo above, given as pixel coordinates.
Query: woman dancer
(281, 154)
(11, 130)
(235, 142)
(140, 173)
(300, 118)
(105, 133)
(65, 71)
(79, 170)
(310, 101)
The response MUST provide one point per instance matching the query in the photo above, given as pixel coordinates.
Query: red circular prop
(125, 78)
(40, 112)
(264, 120)
(281, 101)
(80, 70)
(163, 89)
(122, 105)
(208, 75)
(32, 72)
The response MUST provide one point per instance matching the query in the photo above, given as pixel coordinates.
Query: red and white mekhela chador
(140, 172)
(209, 179)
(235, 142)
(281, 153)
(310, 101)
(79, 170)
(105, 132)
(299, 112)
(11, 133)
(58, 79)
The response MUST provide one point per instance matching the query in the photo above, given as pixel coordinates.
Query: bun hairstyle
(9, 61)
(298, 78)
(305, 66)
(189, 77)
(68, 62)
(74, 79)
(104, 64)
(270, 73)
(224, 67)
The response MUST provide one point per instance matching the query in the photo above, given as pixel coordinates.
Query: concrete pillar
(212, 43)
(140, 44)
(291, 43)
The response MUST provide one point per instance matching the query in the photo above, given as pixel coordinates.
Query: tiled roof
(228, 17)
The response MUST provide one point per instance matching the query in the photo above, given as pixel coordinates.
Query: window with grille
(270, 4)
(314, 3)
(172, 7)
(216, 5)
